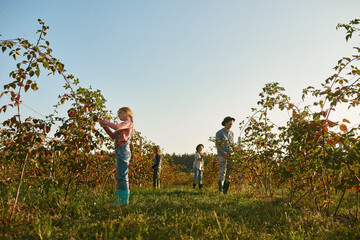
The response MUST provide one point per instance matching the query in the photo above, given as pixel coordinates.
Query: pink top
(124, 129)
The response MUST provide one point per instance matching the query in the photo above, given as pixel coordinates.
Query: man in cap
(224, 144)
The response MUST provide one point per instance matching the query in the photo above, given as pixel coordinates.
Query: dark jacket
(157, 162)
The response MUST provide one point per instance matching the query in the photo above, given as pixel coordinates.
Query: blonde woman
(122, 134)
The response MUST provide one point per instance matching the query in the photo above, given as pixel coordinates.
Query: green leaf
(34, 86)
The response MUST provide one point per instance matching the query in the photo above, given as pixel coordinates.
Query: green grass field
(175, 212)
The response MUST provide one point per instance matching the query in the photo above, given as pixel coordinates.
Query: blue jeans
(122, 170)
(123, 156)
(197, 174)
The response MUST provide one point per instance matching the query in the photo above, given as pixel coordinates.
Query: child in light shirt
(198, 165)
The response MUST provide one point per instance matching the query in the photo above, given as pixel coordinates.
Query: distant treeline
(186, 160)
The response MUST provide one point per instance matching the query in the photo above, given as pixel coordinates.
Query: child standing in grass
(198, 165)
(157, 167)
(122, 134)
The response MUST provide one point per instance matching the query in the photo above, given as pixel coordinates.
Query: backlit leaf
(343, 127)
(345, 120)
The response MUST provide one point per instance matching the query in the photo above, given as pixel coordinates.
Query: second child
(198, 165)
(157, 167)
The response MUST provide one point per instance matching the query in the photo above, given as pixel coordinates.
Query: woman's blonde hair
(128, 112)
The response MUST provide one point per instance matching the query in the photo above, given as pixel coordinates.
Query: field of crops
(300, 180)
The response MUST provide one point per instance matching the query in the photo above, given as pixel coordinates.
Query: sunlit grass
(176, 212)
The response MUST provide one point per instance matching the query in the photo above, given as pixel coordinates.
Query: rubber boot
(122, 197)
(226, 187)
(220, 187)
(194, 185)
(200, 186)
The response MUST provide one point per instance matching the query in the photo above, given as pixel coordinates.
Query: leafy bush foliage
(314, 155)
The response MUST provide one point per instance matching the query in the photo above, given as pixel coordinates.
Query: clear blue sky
(182, 66)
